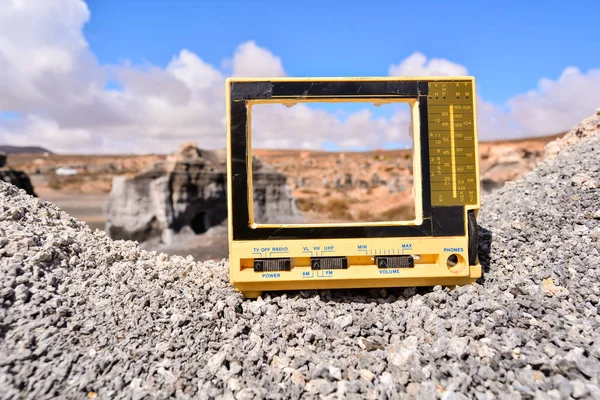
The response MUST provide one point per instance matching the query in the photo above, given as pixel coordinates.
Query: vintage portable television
(438, 247)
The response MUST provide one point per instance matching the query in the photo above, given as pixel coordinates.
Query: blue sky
(507, 45)
(146, 75)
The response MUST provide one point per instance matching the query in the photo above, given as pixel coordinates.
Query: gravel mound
(581, 131)
(84, 316)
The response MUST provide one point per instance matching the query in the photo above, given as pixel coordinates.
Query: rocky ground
(85, 316)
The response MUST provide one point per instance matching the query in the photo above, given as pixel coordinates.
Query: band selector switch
(321, 263)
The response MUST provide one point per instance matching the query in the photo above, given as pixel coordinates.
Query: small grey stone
(245, 394)
(454, 396)
(595, 350)
(22, 293)
(562, 385)
(413, 389)
(6, 293)
(367, 375)
(580, 179)
(335, 372)
(215, 362)
(579, 389)
(344, 321)
(341, 390)
(427, 391)
(416, 372)
(458, 346)
(387, 381)
(551, 394)
(485, 372)
(590, 367)
(118, 383)
(321, 386)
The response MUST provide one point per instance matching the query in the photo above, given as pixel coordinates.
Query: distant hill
(23, 150)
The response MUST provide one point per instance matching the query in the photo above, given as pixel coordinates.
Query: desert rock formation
(187, 195)
(273, 200)
(15, 177)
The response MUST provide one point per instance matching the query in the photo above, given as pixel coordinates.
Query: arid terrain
(329, 186)
(377, 185)
(83, 194)
(94, 172)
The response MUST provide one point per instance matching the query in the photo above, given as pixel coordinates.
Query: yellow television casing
(438, 247)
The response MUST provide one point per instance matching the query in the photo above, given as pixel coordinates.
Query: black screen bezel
(436, 221)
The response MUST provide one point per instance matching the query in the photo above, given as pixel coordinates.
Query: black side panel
(425, 168)
(239, 167)
(448, 221)
(473, 238)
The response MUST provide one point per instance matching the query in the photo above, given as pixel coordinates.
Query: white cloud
(417, 64)
(43, 55)
(194, 72)
(50, 77)
(554, 107)
(310, 127)
(37, 130)
(557, 105)
(251, 60)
